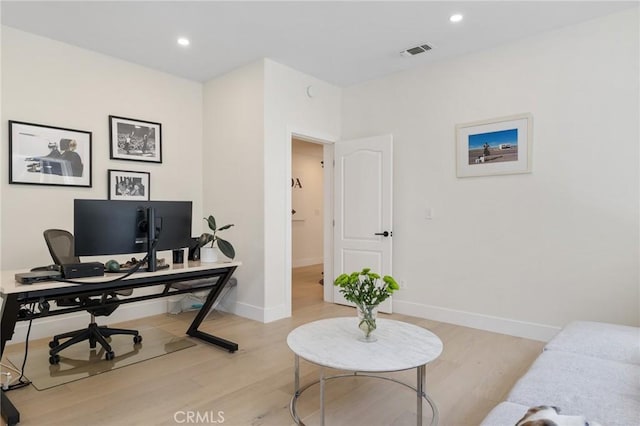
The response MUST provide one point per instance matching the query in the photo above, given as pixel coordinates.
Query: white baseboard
(507, 326)
(246, 310)
(49, 326)
(308, 261)
(276, 313)
(257, 313)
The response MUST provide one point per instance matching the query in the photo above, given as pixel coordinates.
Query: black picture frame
(40, 154)
(135, 140)
(129, 185)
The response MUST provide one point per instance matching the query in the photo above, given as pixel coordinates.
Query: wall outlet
(403, 284)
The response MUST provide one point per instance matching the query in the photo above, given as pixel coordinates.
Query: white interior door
(363, 208)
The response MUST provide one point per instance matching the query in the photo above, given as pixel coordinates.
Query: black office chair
(61, 247)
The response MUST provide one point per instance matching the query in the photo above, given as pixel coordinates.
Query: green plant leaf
(211, 221)
(225, 227)
(341, 280)
(204, 239)
(391, 283)
(226, 248)
(365, 287)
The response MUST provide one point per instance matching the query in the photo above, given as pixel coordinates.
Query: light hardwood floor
(253, 386)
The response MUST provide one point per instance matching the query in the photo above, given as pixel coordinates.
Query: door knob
(384, 234)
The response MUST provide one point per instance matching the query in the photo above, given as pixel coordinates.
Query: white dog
(544, 415)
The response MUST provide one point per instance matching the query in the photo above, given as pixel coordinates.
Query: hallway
(305, 286)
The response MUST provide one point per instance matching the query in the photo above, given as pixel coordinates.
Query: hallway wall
(307, 201)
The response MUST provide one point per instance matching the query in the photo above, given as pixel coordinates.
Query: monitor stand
(151, 240)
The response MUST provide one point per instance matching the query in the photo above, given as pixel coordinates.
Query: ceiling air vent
(416, 50)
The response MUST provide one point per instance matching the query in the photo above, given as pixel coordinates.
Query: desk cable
(21, 381)
(6, 377)
(120, 278)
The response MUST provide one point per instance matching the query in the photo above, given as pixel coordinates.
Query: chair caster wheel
(137, 339)
(109, 355)
(54, 343)
(54, 359)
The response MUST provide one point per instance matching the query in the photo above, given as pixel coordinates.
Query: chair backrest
(61, 246)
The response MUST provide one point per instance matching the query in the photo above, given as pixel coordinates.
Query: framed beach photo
(135, 140)
(498, 146)
(129, 185)
(48, 155)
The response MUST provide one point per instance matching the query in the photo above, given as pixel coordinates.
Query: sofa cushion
(505, 414)
(604, 391)
(608, 341)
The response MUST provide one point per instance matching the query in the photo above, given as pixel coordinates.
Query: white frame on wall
(493, 157)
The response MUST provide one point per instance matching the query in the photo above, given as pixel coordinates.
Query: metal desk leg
(10, 308)
(204, 311)
(422, 373)
(9, 411)
(322, 380)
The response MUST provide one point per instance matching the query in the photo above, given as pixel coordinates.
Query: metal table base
(419, 390)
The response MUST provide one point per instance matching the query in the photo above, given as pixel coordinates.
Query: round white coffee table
(333, 343)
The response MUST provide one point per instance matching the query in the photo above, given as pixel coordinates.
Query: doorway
(335, 221)
(307, 222)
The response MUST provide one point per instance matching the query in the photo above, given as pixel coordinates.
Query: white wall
(521, 254)
(249, 117)
(307, 201)
(288, 110)
(233, 155)
(48, 82)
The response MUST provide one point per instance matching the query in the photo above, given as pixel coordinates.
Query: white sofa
(590, 369)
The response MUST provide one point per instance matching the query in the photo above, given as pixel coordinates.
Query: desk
(18, 297)
(334, 343)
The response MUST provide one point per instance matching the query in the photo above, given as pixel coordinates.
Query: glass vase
(367, 321)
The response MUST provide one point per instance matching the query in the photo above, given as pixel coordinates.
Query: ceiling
(343, 43)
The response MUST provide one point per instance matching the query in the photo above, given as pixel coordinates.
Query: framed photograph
(135, 140)
(47, 155)
(129, 185)
(494, 147)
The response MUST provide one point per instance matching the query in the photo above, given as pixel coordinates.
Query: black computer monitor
(106, 227)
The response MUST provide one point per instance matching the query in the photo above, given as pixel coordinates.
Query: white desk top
(9, 285)
(334, 343)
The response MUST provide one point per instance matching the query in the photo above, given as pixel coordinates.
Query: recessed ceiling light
(183, 41)
(456, 18)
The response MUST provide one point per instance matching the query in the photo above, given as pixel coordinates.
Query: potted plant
(365, 289)
(209, 254)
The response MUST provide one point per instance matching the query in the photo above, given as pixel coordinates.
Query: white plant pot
(208, 254)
